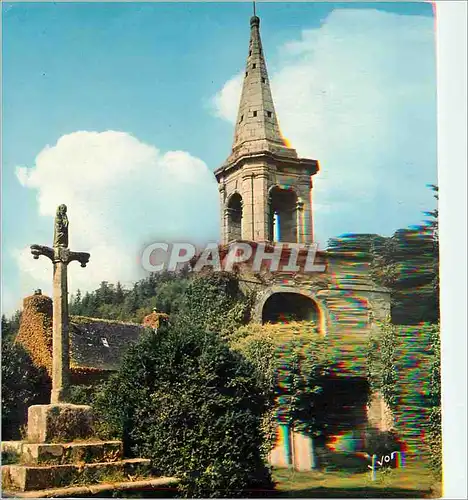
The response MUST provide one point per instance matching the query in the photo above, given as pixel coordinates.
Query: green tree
(23, 384)
(10, 326)
(119, 294)
(404, 366)
(407, 263)
(194, 407)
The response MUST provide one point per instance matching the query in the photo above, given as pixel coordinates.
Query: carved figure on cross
(61, 256)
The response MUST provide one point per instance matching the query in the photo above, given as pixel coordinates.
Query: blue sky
(123, 110)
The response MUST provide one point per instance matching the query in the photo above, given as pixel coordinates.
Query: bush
(435, 417)
(215, 302)
(82, 394)
(23, 385)
(185, 400)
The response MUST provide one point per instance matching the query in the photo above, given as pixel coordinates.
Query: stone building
(266, 197)
(96, 345)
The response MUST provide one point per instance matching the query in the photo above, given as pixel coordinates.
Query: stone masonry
(61, 452)
(261, 162)
(266, 197)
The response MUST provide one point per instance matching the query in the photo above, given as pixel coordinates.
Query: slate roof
(101, 344)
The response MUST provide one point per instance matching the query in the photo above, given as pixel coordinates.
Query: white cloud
(358, 94)
(226, 101)
(121, 194)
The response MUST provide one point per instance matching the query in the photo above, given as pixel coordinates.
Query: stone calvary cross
(61, 256)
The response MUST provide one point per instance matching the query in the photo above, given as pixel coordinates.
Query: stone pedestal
(60, 453)
(59, 422)
(44, 476)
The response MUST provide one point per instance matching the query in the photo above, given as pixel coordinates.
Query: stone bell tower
(265, 188)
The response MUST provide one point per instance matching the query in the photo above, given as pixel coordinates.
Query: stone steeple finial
(257, 128)
(265, 189)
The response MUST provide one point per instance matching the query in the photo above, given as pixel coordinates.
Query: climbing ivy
(382, 363)
(404, 366)
(435, 418)
(294, 371)
(215, 302)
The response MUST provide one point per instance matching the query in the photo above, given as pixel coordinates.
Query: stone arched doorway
(281, 304)
(280, 307)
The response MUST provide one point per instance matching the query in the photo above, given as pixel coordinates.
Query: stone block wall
(254, 182)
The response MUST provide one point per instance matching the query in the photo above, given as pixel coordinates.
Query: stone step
(30, 477)
(88, 452)
(148, 487)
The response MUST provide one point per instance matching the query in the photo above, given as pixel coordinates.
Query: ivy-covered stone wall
(404, 367)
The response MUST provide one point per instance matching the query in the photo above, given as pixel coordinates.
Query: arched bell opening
(282, 223)
(234, 217)
(285, 307)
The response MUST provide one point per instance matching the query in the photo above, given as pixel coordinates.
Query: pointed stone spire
(257, 129)
(263, 182)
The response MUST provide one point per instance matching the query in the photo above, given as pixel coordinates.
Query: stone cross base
(59, 423)
(60, 452)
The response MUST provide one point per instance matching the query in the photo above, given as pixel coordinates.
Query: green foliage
(292, 371)
(404, 366)
(22, 385)
(82, 394)
(387, 371)
(374, 366)
(194, 407)
(259, 349)
(435, 417)
(408, 264)
(10, 457)
(163, 291)
(215, 302)
(301, 370)
(381, 443)
(10, 326)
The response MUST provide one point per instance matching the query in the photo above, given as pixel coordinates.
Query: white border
(451, 19)
(451, 28)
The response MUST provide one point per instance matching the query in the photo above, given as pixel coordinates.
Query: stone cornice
(306, 163)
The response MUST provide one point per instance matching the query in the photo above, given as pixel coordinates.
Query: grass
(413, 481)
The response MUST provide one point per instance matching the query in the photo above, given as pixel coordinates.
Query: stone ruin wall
(349, 305)
(35, 331)
(348, 300)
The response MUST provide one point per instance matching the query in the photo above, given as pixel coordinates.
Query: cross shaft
(61, 256)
